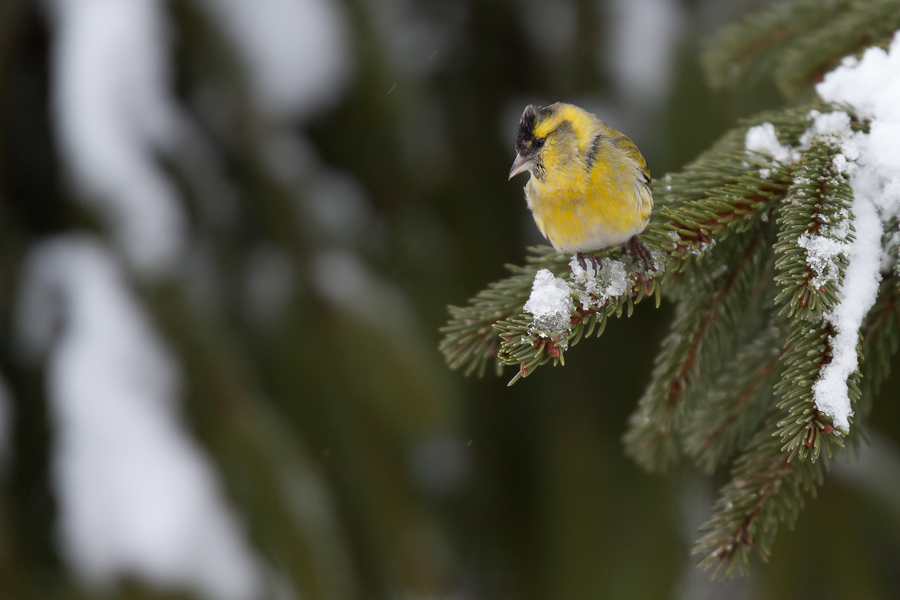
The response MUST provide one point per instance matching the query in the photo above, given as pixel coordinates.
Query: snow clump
(550, 302)
(761, 139)
(611, 281)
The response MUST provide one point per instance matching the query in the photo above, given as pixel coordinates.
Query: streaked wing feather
(623, 143)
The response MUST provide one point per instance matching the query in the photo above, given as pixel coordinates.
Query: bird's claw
(640, 252)
(585, 258)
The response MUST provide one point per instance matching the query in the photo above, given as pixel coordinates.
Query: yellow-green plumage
(589, 186)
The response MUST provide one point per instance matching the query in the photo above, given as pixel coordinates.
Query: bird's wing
(624, 144)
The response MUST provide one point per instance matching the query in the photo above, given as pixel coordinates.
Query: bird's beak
(522, 163)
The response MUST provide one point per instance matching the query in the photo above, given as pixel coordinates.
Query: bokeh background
(229, 231)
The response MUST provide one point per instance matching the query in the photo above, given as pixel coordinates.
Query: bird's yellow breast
(580, 207)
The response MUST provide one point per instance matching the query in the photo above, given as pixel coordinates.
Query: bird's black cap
(525, 135)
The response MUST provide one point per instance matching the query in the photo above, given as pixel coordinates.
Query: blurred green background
(328, 225)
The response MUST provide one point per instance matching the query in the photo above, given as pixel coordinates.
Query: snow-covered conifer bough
(870, 86)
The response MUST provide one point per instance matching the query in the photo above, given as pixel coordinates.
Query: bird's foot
(585, 259)
(640, 252)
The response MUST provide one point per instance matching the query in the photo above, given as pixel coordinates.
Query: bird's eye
(539, 142)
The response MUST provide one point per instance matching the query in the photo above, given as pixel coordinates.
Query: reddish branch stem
(679, 380)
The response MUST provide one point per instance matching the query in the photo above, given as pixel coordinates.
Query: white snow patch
(703, 247)
(857, 295)
(550, 302)
(833, 126)
(137, 497)
(843, 166)
(821, 255)
(588, 275)
(841, 229)
(611, 281)
(112, 112)
(871, 86)
(296, 53)
(762, 139)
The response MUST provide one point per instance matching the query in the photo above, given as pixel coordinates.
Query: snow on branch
(871, 87)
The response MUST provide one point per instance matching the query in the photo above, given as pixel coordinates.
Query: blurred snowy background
(229, 230)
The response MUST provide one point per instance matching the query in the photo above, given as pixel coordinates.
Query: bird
(590, 185)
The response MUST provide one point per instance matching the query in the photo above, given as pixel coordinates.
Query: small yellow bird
(589, 186)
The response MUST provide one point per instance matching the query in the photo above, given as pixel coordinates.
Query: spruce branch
(725, 190)
(746, 51)
(766, 489)
(470, 340)
(797, 42)
(528, 345)
(694, 226)
(735, 401)
(880, 341)
(709, 327)
(806, 431)
(816, 51)
(815, 233)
